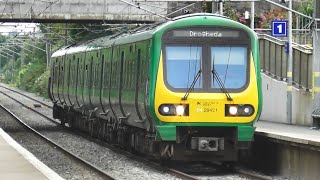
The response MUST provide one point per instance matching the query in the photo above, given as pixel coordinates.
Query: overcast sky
(5, 28)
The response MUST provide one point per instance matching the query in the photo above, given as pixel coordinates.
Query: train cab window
(182, 64)
(230, 64)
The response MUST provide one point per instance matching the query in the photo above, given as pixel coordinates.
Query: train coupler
(207, 143)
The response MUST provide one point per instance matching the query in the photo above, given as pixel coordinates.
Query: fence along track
(273, 61)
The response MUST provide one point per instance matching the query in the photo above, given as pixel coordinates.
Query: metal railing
(273, 61)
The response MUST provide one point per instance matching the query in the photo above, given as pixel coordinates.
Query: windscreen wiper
(195, 79)
(221, 85)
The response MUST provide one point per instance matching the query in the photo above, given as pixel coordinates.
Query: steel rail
(44, 104)
(39, 113)
(252, 175)
(65, 151)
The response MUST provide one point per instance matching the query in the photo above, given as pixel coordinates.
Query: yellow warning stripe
(289, 88)
(315, 89)
(289, 74)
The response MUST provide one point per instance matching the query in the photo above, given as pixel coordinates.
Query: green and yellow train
(186, 89)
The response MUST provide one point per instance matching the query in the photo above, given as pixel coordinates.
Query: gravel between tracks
(117, 165)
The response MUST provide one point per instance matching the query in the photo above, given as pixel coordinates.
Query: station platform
(18, 163)
(290, 133)
(286, 151)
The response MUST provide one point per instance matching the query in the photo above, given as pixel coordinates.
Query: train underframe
(192, 143)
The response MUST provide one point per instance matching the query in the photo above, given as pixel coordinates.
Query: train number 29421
(210, 110)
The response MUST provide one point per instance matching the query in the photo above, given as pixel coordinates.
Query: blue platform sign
(279, 28)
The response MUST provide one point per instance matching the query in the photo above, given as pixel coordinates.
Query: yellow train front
(206, 88)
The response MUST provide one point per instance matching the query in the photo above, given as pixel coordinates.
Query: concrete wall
(285, 159)
(275, 102)
(109, 10)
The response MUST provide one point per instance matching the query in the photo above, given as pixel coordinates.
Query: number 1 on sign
(279, 28)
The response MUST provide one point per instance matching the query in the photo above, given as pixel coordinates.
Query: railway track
(241, 172)
(62, 150)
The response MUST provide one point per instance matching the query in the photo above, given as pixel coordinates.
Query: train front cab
(206, 95)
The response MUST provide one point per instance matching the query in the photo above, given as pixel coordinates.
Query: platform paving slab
(18, 163)
(286, 132)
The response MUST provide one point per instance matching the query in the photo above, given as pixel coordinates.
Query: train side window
(86, 67)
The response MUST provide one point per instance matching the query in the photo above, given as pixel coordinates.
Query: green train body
(187, 89)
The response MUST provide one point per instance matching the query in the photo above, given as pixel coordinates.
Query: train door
(127, 91)
(95, 80)
(115, 82)
(142, 84)
(60, 81)
(122, 77)
(72, 78)
(66, 80)
(76, 76)
(137, 74)
(54, 79)
(80, 84)
(87, 79)
(106, 74)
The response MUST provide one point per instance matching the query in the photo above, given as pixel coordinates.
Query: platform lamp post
(316, 67)
(289, 66)
(252, 16)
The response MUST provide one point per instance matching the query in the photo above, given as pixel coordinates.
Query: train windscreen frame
(182, 59)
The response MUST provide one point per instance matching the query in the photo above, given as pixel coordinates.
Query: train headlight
(233, 110)
(239, 110)
(165, 109)
(247, 110)
(179, 110)
(174, 109)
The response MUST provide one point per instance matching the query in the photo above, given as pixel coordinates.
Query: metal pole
(65, 34)
(252, 16)
(213, 7)
(22, 56)
(48, 53)
(316, 57)
(221, 7)
(289, 73)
